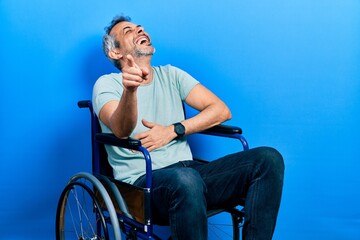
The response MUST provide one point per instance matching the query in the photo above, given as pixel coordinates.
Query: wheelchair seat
(97, 206)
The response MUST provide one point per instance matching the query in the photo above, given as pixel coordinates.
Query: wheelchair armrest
(111, 139)
(224, 129)
(227, 131)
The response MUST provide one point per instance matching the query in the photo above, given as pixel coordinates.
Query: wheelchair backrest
(100, 163)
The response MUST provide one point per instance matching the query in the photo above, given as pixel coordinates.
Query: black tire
(79, 215)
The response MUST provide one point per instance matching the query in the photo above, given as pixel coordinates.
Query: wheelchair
(96, 206)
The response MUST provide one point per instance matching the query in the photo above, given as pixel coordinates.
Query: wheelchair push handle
(84, 104)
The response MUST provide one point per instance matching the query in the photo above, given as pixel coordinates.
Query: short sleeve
(185, 82)
(107, 88)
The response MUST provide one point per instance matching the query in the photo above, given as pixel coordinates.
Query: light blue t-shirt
(160, 102)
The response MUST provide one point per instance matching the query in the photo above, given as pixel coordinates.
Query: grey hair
(109, 41)
(109, 44)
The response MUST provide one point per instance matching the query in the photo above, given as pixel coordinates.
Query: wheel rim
(79, 215)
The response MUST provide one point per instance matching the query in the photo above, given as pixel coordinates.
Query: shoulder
(111, 77)
(168, 68)
(108, 80)
(170, 71)
(107, 88)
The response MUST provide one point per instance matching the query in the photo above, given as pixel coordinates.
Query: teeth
(141, 40)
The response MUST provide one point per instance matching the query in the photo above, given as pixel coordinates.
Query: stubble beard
(142, 52)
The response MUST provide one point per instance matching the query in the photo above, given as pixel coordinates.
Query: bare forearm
(211, 116)
(123, 120)
(121, 116)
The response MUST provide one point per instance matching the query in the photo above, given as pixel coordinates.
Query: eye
(127, 30)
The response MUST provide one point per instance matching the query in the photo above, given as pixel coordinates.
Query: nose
(139, 29)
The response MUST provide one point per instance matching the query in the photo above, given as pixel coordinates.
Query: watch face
(179, 129)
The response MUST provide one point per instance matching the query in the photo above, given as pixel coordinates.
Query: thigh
(228, 178)
(167, 177)
(171, 185)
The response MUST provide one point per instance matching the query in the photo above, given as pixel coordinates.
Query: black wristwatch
(179, 129)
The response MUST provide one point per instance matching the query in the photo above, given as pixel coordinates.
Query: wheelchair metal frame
(109, 205)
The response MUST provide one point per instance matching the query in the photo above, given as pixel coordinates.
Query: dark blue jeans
(183, 192)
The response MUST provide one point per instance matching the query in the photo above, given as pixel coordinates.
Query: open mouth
(142, 40)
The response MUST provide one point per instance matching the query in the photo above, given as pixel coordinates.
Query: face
(133, 39)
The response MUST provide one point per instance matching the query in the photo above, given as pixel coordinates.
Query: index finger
(131, 62)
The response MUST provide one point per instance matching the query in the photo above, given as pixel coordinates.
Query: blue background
(289, 70)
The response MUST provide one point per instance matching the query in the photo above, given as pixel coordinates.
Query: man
(145, 102)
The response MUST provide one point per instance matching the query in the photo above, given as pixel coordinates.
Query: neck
(144, 62)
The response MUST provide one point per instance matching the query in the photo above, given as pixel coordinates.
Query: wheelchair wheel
(226, 225)
(85, 211)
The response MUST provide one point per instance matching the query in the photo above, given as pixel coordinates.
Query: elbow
(227, 114)
(121, 131)
(121, 134)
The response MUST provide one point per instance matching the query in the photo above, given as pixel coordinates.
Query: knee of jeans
(273, 160)
(188, 182)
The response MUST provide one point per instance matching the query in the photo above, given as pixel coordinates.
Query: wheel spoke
(80, 217)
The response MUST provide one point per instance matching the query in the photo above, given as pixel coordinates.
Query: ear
(115, 54)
